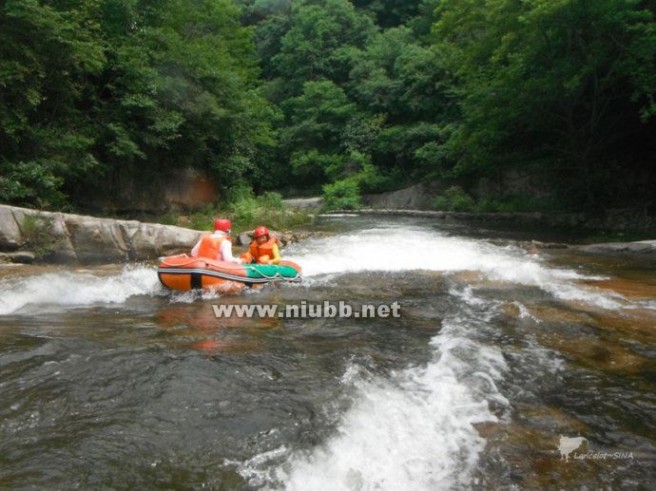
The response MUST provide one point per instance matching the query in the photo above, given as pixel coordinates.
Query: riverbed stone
(144, 243)
(638, 247)
(10, 234)
(244, 238)
(67, 238)
(128, 229)
(19, 257)
(96, 239)
(307, 204)
(62, 250)
(173, 240)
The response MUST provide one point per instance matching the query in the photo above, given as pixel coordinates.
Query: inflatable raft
(185, 273)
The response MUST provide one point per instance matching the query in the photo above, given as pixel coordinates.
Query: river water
(505, 369)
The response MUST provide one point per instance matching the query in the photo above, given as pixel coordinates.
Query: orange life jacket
(210, 246)
(259, 250)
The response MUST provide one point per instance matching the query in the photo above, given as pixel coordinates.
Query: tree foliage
(94, 90)
(46, 56)
(348, 96)
(559, 88)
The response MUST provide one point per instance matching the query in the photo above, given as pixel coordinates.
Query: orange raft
(183, 273)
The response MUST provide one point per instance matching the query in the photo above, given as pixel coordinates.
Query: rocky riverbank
(32, 235)
(67, 238)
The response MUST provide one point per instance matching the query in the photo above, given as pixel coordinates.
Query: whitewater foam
(76, 289)
(413, 430)
(408, 248)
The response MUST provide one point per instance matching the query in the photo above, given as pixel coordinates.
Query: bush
(33, 184)
(247, 211)
(513, 203)
(272, 201)
(364, 173)
(342, 195)
(455, 199)
(38, 238)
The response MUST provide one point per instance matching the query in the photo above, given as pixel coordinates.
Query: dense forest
(344, 97)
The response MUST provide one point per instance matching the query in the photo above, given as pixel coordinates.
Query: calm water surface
(107, 380)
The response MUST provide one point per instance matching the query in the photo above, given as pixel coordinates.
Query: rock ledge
(67, 238)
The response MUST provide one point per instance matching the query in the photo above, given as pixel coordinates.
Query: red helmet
(260, 232)
(222, 224)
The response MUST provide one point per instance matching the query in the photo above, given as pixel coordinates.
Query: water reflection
(196, 326)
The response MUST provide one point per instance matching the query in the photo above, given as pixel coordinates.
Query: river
(504, 369)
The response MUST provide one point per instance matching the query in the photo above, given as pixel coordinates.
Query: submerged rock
(639, 247)
(285, 238)
(20, 257)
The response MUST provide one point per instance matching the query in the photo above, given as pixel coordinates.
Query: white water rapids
(393, 249)
(414, 430)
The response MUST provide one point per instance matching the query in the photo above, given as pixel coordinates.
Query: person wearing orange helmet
(217, 245)
(263, 249)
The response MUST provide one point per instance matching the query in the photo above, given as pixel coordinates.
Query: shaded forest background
(333, 96)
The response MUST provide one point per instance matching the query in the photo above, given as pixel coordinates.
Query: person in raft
(263, 249)
(217, 245)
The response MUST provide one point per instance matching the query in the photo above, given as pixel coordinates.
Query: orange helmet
(222, 224)
(260, 232)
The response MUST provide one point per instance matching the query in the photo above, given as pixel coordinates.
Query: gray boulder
(64, 238)
(639, 247)
(10, 234)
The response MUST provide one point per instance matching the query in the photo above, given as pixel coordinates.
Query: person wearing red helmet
(216, 246)
(263, 249)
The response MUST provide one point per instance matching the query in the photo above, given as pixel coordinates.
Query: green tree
(391, 13)
(314, 136)
(322, 43)
(381, 97)
(558, 89)
(47, 54)
(187, 92)
(405, 84)
(97, 95)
